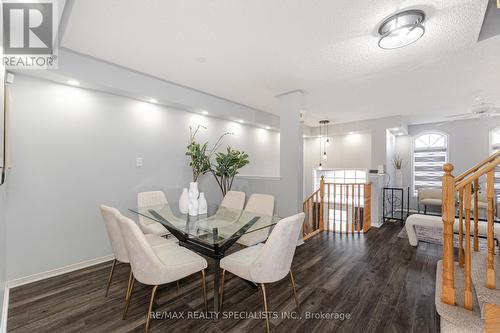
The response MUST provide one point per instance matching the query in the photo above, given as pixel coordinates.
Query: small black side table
(393, 203)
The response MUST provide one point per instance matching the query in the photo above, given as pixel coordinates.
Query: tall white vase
(184, 201)
(193, 198)
(399, 177)
(202, 204)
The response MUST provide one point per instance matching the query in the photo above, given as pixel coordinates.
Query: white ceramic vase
(193, 198)
(202, 204)
(184, 201)
(399, 177)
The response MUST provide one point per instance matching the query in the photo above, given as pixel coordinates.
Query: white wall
(73, 149)
(390, 169)
(368, 147)
(3, 239)
(3, 246)
(345, 151)
(468, 142)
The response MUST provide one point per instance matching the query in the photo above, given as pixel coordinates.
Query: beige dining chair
(148, 199)
(233, 200)
(261, 204)
(267, 262)
(156, 266)
(110, 216)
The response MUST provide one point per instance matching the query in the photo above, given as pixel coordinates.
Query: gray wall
(102, 76)
(73, 149)
(468, 143)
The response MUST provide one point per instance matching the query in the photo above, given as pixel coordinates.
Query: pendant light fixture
(324, 140)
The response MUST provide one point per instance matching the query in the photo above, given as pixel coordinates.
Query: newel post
(448, 214)
(322, 197)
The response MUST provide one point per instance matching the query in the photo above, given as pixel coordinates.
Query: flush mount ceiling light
(401, 29)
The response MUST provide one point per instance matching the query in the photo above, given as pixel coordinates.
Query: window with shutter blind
(430, 153)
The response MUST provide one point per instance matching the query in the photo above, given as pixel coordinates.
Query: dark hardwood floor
(383, 283)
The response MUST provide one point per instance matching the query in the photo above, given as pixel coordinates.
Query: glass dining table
(211, 234)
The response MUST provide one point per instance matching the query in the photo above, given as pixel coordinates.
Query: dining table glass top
(219, 225)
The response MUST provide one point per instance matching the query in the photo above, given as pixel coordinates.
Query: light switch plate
(138, 162)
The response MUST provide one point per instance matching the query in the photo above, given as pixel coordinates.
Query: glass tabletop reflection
(219, 225)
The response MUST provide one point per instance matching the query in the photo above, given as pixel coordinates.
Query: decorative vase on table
(202, 204)
(193, 198)
(399, 177)
(184, 201)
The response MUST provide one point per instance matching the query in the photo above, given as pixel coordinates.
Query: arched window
(494, 147)
(430, 152)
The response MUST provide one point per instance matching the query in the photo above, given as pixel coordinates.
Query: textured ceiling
(250, 51)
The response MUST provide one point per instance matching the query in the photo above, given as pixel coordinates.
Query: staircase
(343, 208)
(466, 295)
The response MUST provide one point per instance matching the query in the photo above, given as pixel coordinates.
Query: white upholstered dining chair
(262, 204)
(233, 200)
(155, 266)
(148, 199)
(110, 216)
(268, 262)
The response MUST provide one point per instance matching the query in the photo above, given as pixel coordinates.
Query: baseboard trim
(5, 309)
(55, 272)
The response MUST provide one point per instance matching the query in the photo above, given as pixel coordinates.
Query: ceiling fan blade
(462, 115)
(495, 112)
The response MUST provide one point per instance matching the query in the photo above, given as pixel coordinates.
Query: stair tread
(478, 274)
(469, 321)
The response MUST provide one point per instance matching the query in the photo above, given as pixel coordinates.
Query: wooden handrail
(312, 195)
(350, 184)
(467, 189)
(477, 166)
(480, 172)
(354, 208)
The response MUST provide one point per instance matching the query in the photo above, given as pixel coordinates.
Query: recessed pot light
(152, 100)
(241, 121)
(73, 82)
(204, 112)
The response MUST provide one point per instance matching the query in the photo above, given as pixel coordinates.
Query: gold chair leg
(150, 309)
(292, 280)
(204, 288)
(111, 276)
(131, 282)
(130, 277)
(222, 290)
(263, 287)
